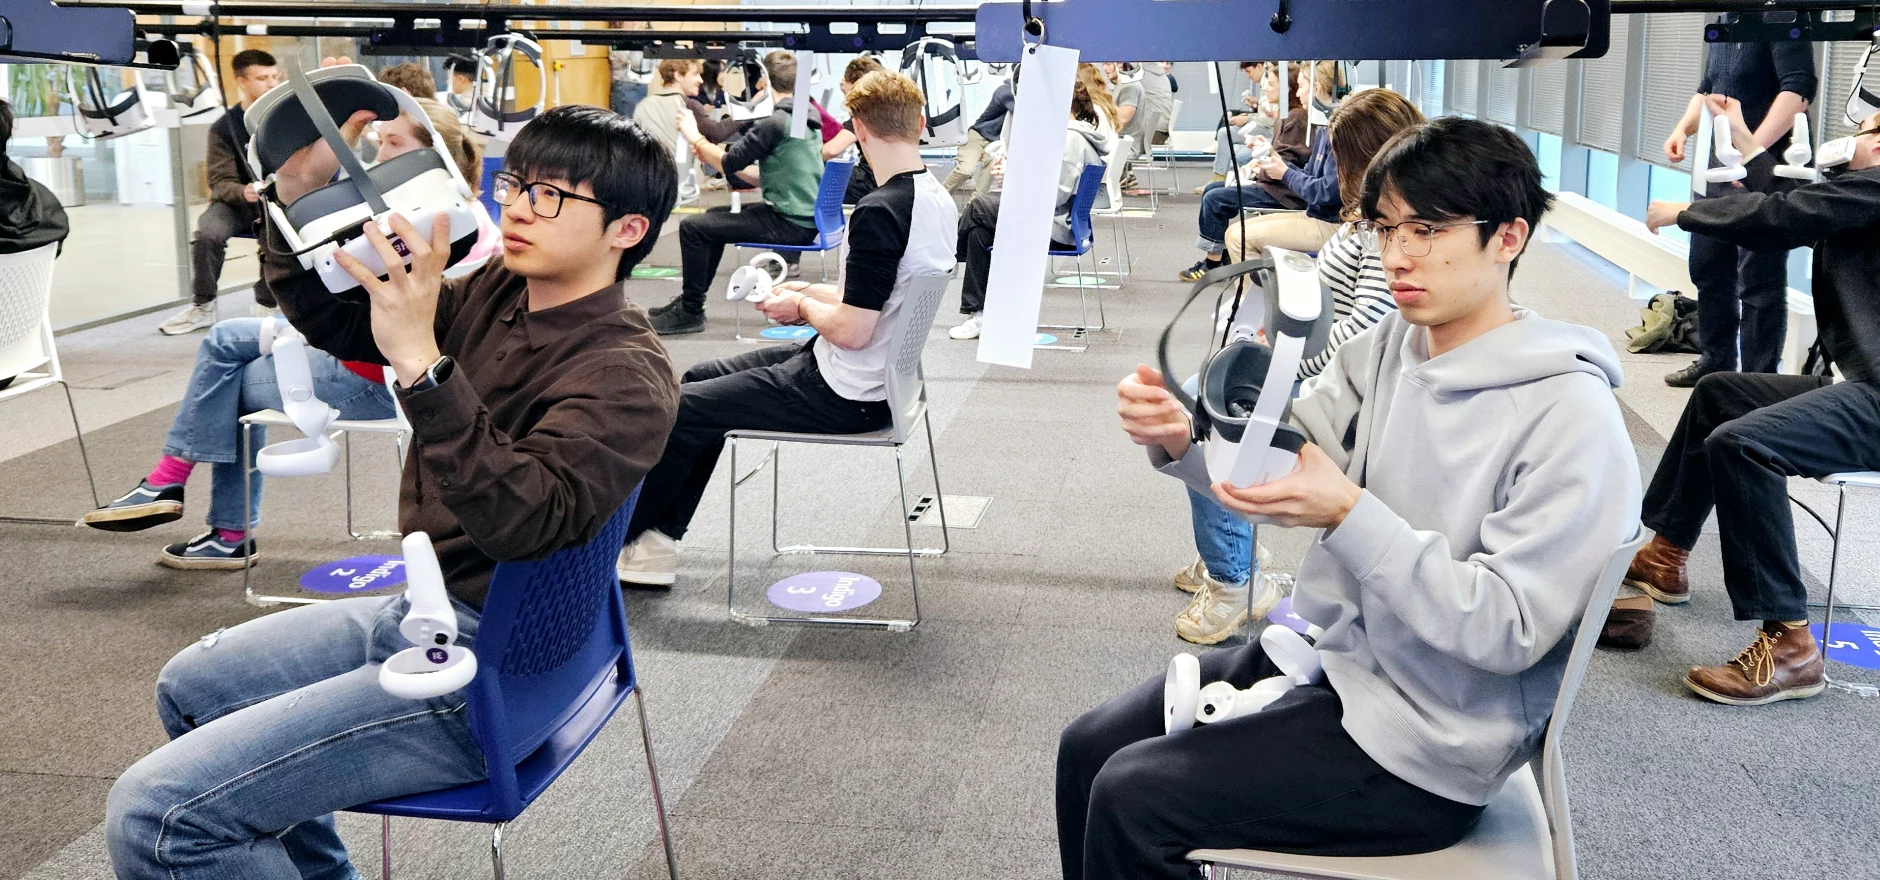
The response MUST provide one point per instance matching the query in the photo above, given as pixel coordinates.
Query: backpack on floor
(1669, 325)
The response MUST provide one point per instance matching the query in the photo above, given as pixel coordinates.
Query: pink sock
(231, 537)
(170, 471)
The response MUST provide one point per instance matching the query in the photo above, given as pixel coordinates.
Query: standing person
(234, 206)
(862, 180)
(1744, 435)
(1742, 294)
(790, 169)
(837, 382)
(1126, 90)
(658, 113)
(989, 127)
(1158, 101)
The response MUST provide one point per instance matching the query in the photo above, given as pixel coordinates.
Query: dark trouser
(1131, 802)
(220, 222)
(1221, 206)
(1739, 292)
(1741, 437)
(702, 240)
(977, 225)
(774, 389)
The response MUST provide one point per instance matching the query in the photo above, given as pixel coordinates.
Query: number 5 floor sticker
(825, 591)
(1855, 644)
(356, 575)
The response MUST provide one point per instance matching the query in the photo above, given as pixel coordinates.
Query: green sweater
(791, 167)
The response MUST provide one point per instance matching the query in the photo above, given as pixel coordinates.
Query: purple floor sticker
(825, 591)
(1855, 644)
(356, 575)
(1283, 615)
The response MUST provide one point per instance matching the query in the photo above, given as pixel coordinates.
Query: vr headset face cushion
(340, 195)
(286, 127)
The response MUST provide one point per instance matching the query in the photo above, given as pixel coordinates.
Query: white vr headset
(104, 112)
(935, 65)
(1246, 388)
(495, 87)
(195, 93)
(424, 185)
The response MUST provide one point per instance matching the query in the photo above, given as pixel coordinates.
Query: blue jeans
(1220, 206)
(1223, 149)
(274, 725)
(623, 97)
(1222, 539)
(232, 379)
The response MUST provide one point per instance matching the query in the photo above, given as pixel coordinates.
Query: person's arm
(877, 241)
(1127, 99)
(748, 149)
(1289, 140)
(835, 146)
(1572, 497)
(1781, 118)
(1783, 221)
(1795, 75)
(717, 131)
(225, 177)
(1321, 189)
(1355, 277)
(1686, 127)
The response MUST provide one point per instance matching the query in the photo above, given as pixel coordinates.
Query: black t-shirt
(862, 182)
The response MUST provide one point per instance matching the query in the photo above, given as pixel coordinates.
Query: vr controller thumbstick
(437, 665)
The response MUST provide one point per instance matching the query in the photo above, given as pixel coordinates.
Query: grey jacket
(1498, 479)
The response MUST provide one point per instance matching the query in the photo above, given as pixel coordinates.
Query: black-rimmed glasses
(545, 199)
(1414, 236)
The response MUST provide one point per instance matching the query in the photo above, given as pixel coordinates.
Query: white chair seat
(274, 418)
(883, 437)
(1865, 479)
(1510, 843)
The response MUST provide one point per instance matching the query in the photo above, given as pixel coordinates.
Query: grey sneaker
(1192, 577)
(190, 319)
(652, 560)
(1218, 610)
(208, 553)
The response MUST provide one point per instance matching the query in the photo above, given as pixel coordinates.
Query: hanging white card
(799, 111)
(1034, 156)
(1699, 151)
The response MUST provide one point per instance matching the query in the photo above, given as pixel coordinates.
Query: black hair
(6, 125)
(631, 171)
(247, 58)
(1451, 168)
(460, 64)
(709, 91)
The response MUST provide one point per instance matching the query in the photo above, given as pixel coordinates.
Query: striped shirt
(1360, 294)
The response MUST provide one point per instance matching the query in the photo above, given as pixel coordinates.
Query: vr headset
(934, 64)
(194, 93)
(1246, 386)
(105, 112)
(423, 185)
(495, 87)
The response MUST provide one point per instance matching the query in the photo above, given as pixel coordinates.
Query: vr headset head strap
(329, 131)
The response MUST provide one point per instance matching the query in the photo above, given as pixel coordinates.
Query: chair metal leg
(248, 517)
(352, 529)
(652, 775)
(1827, 617)
(496, 849)
(385, 848)
(939, 497)
(84, 457)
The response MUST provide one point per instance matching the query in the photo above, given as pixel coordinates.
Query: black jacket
(30, 215)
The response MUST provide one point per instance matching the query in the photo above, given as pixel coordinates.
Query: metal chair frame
(907, 398)
(1865, 480)
(1088, 185)
(46, 371)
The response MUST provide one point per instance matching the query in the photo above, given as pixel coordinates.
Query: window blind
(1547, 97)
(1504, 91)
(1602, 91)
(1462, 87)
(1674, 58)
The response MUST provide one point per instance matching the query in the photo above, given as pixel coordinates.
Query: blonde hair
(457, 141)
(1090, 76)
(672, 68)
(889, 103)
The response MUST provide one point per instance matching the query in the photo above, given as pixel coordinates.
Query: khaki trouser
(970, 156)
(1291, 230)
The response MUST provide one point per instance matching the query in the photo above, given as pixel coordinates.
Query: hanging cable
(1240, 195)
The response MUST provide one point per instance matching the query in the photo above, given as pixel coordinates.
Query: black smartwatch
(436, 375)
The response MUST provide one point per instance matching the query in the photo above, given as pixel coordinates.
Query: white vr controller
(750, 283)
(315, 453)
(436, 665)
(1186, 702)
(1795, 158)
(1723, 147)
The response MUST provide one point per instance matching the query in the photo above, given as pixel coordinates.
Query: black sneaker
(208, 553)
(656, 311)
(679, 321)
(138, 509)
(1687, 377)
(1200, 268)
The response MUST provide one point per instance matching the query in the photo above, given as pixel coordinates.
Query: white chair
(397, 427)
(1163, 159)
(1864, 480)
(1113, 194)
(27, 352)
(907, 399)
(1526, 833)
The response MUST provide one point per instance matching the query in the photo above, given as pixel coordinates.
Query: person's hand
(314, 165)
(1659, 215)
(786, 305)
(688, 125)
(250, 193)
(1740, 133)
(1151, 415)
(1250, 102)
(404, 305)
(1270, 167)
(1674, 145)
(1316, 495)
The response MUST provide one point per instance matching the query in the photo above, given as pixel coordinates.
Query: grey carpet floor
(834, 754)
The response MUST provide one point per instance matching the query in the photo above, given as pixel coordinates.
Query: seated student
(539, 399)
(1083, 145)
(234, 207)
(1743, 435)
(1235, 136)
(463, 73)
(1471, 475)
(412, 78)
(30, 215)
(233, 378)
(862, 179)
(790, 170)
(1315, 185)
(989, 127)
(1354, 274)
(835, 383)
(677, 82)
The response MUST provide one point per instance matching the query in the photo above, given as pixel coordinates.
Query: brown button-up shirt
(549, 422)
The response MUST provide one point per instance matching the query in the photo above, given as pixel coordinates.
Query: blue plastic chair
(554, 665)
(831, 224)
(1089, 185)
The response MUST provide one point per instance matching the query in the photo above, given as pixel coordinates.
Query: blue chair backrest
(1088, 186)
(549, 630)
(830, 223)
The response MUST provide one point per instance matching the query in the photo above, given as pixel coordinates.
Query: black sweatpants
(977, 225)
(780, 388)
(1741, 437)
(220, 222)
(1742, 300)
(702, 240)
(1131, 801)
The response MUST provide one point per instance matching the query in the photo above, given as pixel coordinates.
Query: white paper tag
(1034, 156)
(799, 112)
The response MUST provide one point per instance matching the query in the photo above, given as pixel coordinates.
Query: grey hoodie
(1083, 145)
(1498, 479)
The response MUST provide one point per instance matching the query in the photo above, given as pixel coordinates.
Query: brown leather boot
(1629, 624)
(1782, 664)
(1658, 569)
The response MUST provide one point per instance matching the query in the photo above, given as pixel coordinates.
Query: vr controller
(315, 453)
(1186, 702)
(436, 665)
(750, 283)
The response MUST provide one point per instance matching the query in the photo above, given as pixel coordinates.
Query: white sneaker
(261, 311)
(193, 318)
(1218, 610)
(1192, 577)
(969, 329)
(651, 560)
